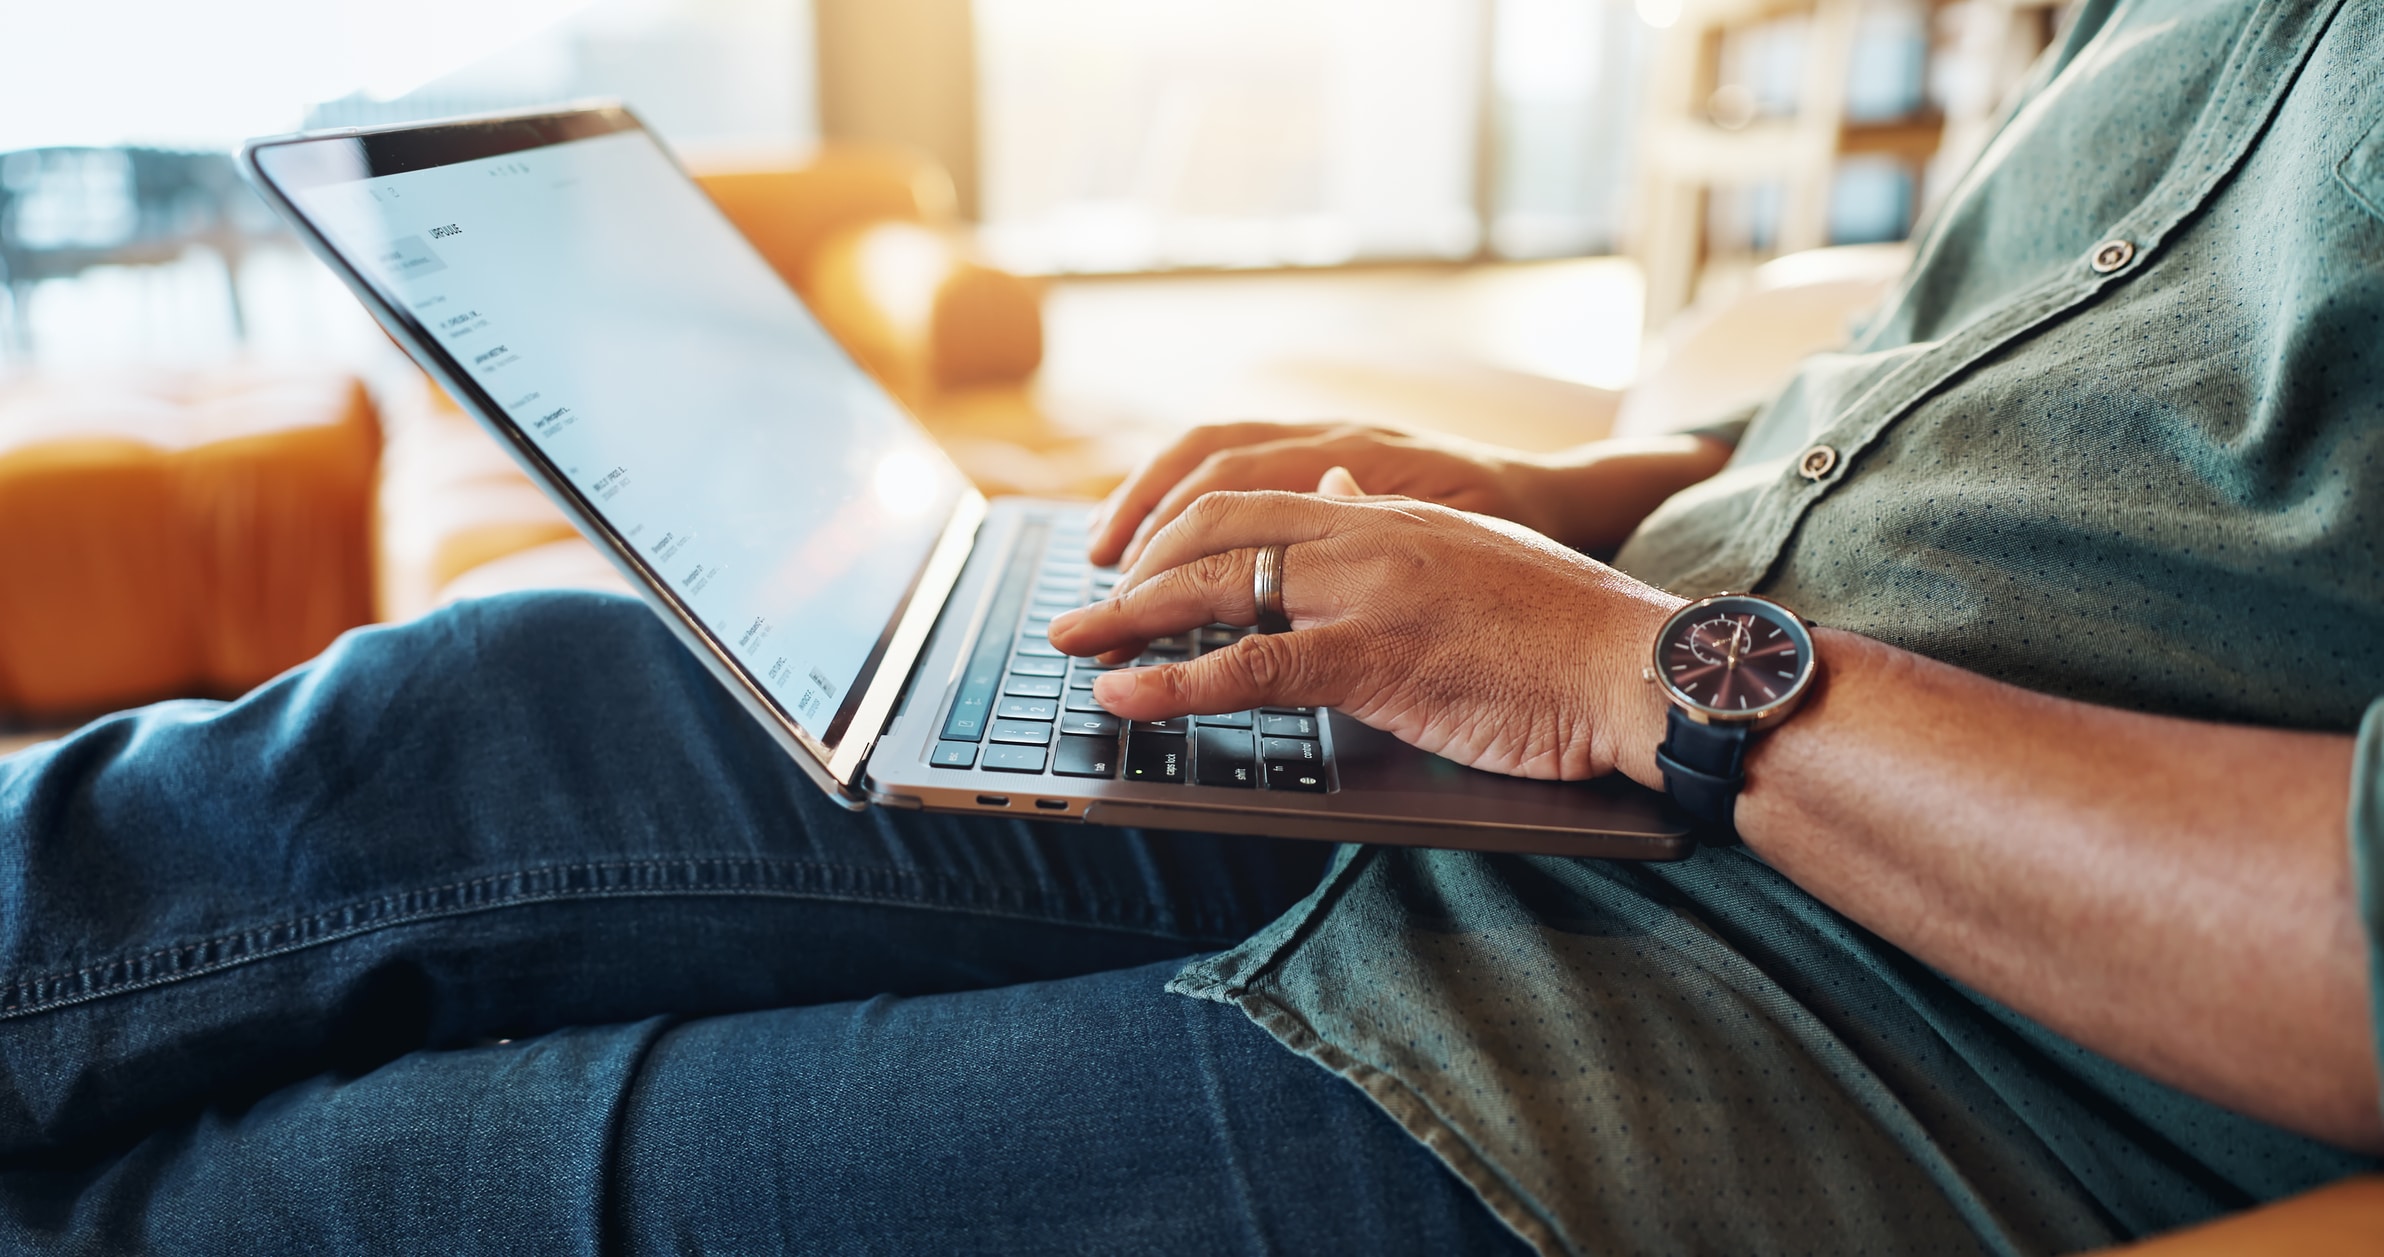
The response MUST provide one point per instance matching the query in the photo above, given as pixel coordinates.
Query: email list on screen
(590, 291)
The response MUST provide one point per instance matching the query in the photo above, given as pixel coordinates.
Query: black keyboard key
(1291, 711)
(1291, 750)
(1028, 732)
(1086, 757)
(1093, 665)
(1157, 757)
(1288, 774)
(1037, 666)
(1032, 687)
(1027, 709)
(1083, 700)
(1014, 759)
(953, 755)
(1092, 723)
(1081, 680)
(1174, 644)
(1037, 646)
(1176, 724)
(1221, 757)
(966, 720)
(1214, 636)
(1277, 725)
(1224, 720)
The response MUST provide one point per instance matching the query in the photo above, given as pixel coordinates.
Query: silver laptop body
(572, 288)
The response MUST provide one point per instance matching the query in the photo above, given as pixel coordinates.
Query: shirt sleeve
(2367, 854)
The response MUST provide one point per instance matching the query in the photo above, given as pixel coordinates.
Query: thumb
(1338, 483)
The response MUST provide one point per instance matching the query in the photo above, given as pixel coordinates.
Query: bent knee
(577, 632)
(543, 646)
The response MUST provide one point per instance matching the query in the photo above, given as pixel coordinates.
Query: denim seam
(180, 961)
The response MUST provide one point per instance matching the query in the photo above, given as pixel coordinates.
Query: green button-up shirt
(2120, 437)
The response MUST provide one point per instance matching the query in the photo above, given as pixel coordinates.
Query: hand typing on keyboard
(1467, 636)
(1588, 497)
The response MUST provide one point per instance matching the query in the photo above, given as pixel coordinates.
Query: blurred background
(1061, 230)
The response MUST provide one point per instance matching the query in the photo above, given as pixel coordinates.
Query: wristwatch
(1732, 666)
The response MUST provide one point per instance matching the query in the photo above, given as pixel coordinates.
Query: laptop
(572, 288)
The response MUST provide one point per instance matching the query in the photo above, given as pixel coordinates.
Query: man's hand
(1466, 636)
(1589, 497)
(1291, 456)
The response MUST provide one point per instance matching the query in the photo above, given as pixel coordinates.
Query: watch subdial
(1718, 641)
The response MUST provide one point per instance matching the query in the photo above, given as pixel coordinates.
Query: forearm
(1592, 496)
(2174, 894)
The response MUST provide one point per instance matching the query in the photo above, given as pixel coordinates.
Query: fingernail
(1115, 685)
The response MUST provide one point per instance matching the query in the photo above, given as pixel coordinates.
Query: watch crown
(1647, 673)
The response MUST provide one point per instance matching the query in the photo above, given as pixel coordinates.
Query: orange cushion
(177, 533)
(451, 499)
(921, 313)
(787, 212)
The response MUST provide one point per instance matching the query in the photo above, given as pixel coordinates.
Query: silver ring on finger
(1266, 588)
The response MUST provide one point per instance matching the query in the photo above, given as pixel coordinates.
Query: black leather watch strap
(1703, 766)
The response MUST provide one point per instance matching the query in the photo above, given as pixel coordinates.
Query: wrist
(1731, 667)
(1539, 487)
(1592, 496)
(1628, 714)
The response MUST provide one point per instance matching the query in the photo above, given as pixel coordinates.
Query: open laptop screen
(597, 299)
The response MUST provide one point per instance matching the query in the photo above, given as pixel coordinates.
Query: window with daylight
(1124, 135)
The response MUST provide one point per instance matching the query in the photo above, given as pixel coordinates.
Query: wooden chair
(1701, 134)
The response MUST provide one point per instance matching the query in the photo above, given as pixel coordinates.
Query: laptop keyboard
(1023, 707)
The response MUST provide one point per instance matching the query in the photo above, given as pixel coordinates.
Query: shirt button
(1816, 462)
(2110, 255)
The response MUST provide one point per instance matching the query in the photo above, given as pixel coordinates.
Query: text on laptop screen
(652, 357)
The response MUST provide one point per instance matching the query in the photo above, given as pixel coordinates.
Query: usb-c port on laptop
(993, 800)
(1056, 805)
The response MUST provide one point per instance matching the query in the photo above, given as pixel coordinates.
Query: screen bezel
(282, 165)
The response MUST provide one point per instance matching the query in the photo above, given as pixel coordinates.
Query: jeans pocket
(2361, 171)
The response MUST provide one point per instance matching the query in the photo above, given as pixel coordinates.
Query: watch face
(1734, 656)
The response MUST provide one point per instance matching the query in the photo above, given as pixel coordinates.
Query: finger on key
(1289, 465)
(1237, 521)
(1123, 513)
(1212, 589)
(1305, 669)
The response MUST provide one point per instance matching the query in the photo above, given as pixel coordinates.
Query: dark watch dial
(1735, 656)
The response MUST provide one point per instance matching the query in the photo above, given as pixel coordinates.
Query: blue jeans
(505, 931)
